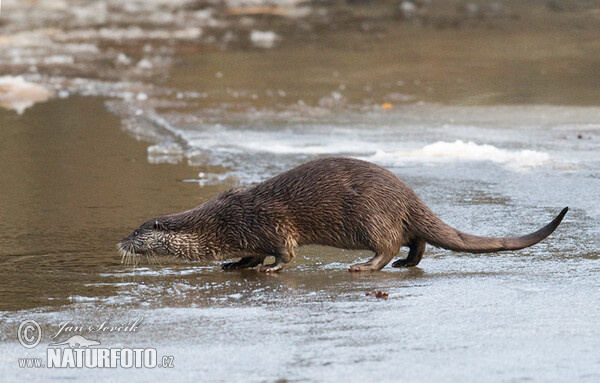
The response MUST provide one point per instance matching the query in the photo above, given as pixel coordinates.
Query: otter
(340, 202)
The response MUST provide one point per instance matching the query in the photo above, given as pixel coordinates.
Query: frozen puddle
(264, 146)
(459, 150)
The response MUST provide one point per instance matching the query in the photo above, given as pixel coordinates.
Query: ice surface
(460, 150)
(18, 94)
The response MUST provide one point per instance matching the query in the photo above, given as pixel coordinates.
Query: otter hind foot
(362, 267)
(415, 254)
(403, 263)
(374, 264)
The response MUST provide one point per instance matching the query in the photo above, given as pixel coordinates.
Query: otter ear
(158, 225)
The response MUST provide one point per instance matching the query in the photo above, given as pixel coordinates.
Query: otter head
(161, 237)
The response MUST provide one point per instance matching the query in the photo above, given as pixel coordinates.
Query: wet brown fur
(339, 202)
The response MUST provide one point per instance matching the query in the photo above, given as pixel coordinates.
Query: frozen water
(18, 94)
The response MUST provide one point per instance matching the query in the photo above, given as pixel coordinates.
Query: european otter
(339, 202)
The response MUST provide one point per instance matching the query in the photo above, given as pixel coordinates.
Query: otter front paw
(231, 266)
(270, 268)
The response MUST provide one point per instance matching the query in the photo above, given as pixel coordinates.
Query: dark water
(496, 128)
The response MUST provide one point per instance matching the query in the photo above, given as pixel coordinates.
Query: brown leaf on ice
(378, 294)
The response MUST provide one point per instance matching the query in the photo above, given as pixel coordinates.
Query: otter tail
(434, 231)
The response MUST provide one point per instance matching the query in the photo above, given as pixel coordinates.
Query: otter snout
(128, 250)
(149, 240)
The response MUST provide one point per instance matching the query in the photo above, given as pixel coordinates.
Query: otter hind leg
(281, 260)
(415, 254)
(243, 263)
(376, 263)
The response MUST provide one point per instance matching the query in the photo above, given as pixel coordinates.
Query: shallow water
(499, 152)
